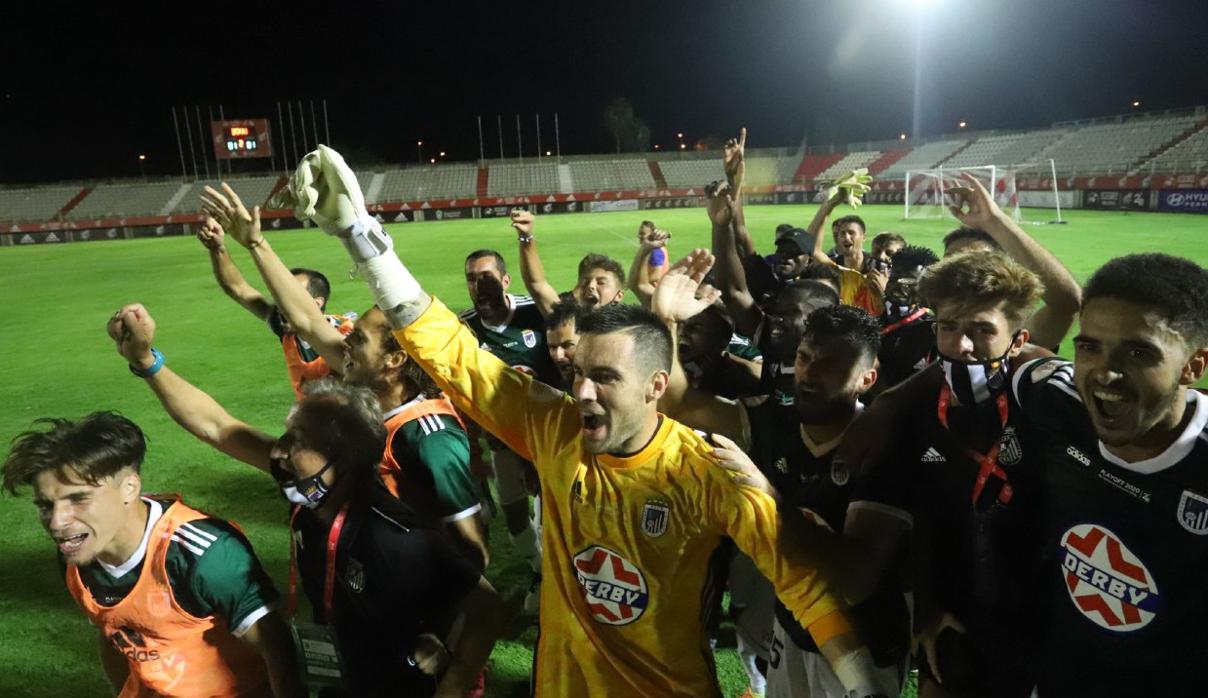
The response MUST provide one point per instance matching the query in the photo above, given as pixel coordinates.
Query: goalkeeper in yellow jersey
(632, 501)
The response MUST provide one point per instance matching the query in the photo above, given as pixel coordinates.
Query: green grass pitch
(58, 362)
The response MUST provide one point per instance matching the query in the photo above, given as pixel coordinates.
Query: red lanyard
(329, 578)
(988, 462)
(918, 313)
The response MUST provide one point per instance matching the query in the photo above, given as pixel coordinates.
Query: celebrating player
(302, 361)
(427, 458)
(182, 605)
(394, 585)
(633, 504)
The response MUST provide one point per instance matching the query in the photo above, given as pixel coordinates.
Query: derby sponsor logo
(613, 587)
(1108, 584)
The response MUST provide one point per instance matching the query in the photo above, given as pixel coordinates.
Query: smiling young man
(632, 503)
(181, 602)
(1125, 442)
(395, 584)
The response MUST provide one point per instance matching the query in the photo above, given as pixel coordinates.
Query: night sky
(83, 92)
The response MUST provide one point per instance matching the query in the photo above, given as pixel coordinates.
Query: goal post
(926, 191)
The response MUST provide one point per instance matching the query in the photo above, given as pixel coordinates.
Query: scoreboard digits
(242, 138)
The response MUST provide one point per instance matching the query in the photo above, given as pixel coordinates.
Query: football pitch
(57, 361)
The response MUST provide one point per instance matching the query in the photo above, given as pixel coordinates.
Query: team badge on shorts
(655, 516)
(840, 473)
(1193, 513)
(613, 587)
(1107, 583)
(354, 576)
(529, 337)
(1011, 452)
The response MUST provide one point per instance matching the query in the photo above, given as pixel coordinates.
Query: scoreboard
(241, 138)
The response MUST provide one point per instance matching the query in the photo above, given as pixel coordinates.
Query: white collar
(413, 401)
(1198, 403)
(154, 511)
(819, 450)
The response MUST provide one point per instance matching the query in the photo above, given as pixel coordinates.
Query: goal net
(927, 194)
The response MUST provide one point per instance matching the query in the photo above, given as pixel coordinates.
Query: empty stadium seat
(923, 157)
(1011, 149)
(520, 179)
(36, 204)
(1190, 155)
(604, 175)
(421, 183)
(691, 173)
(128, 199)
(253, 191)
(851, 161)
(1114, 147)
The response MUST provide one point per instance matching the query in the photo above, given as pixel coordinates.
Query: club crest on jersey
(840, 473)
(1193, 512)
(655, 516)
(159, 604)
(782, 464)
(613, 587)
(354, 576)
(1107, 583)
(1011, 452)
(529, 337)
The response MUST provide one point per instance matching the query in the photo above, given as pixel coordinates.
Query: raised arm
(514, 407)
(817, 225)
(734, 163)
(976, 208)
(228, 276)
(675, 300)
(303, 313)
(133, 330)
(731, 277)
(641, 280)
(531, 269)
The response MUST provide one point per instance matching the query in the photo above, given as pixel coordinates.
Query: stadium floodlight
(962, 124)
(902, 136)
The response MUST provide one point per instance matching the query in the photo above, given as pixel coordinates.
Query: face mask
(308, 492)
(977, 382)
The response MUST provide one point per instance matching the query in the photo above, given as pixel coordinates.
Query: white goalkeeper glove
(323, 189)
(853, 186)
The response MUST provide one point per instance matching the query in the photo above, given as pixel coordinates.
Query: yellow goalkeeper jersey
(626, 540)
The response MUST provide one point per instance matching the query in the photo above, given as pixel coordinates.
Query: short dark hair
(912, 257)
(95, 447)
(317, 284)
(479, 254)
(651, 338)
(883, 240)
(844, 220)
(602, 261)
(646, 224)
(820, 272)
(565, 310)
(966, 233)
(784, 228)
(1176, 287)
(853, 326)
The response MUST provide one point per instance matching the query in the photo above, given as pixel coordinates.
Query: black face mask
(309, 492)
(977, 382)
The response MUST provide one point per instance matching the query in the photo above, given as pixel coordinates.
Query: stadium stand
(254, 191)
(691, 173)
(602, 175)
(1114, 147)
(518, 179)
(417, 183)
(767, 171)
(851, 161)
(35, 204)
(1011, 149)
(130, 199)
(1188, 155)
(887, 159)
(922, 158)
(812, 165)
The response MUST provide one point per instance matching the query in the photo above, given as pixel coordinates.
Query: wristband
(153, 368)
(525, 239)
